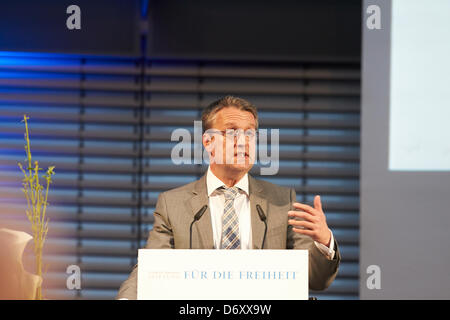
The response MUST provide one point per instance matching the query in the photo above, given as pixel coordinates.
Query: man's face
(233, 152)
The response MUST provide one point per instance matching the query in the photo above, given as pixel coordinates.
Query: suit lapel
(256, 198)
(204, 225)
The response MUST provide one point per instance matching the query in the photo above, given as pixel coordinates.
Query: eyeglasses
(232, 133)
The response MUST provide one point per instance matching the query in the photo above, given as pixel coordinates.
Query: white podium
(222, 274)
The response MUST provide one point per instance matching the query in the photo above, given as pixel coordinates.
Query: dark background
(287, 30)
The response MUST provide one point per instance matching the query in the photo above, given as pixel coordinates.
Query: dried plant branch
(36, 203)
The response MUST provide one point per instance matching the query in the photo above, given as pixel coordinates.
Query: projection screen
(405, 151)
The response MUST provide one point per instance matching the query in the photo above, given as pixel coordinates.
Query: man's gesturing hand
(314, 223)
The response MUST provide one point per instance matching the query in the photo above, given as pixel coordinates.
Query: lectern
(222, 274)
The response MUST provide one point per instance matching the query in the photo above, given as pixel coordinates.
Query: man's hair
(210, 112)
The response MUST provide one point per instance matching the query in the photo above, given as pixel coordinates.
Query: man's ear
(207, 141)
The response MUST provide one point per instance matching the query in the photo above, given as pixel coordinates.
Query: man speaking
(229, 209)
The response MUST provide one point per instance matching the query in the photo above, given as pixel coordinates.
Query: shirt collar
(212, 182)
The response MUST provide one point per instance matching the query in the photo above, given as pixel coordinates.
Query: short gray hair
(209, 113)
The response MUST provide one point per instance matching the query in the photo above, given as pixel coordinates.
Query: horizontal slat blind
(315, 106)
(85, 119)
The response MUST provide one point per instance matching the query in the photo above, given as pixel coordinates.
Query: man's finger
(305, 207)
(301, 214)
(317, 203)
(304, 231)
(302, 224)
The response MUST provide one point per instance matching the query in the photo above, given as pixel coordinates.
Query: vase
(15, 282)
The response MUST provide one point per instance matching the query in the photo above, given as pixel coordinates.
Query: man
(231, 220)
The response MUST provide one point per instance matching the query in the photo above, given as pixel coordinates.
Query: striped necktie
(230, 220)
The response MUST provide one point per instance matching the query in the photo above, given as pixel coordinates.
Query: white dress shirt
(242, 208)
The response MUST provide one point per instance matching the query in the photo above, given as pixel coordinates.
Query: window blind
(106, 124)
(314, 105)
(84, 120)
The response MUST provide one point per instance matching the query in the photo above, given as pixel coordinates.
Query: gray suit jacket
(175, 210)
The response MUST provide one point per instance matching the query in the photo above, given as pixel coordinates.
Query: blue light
(144, 8)
(23, 54)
